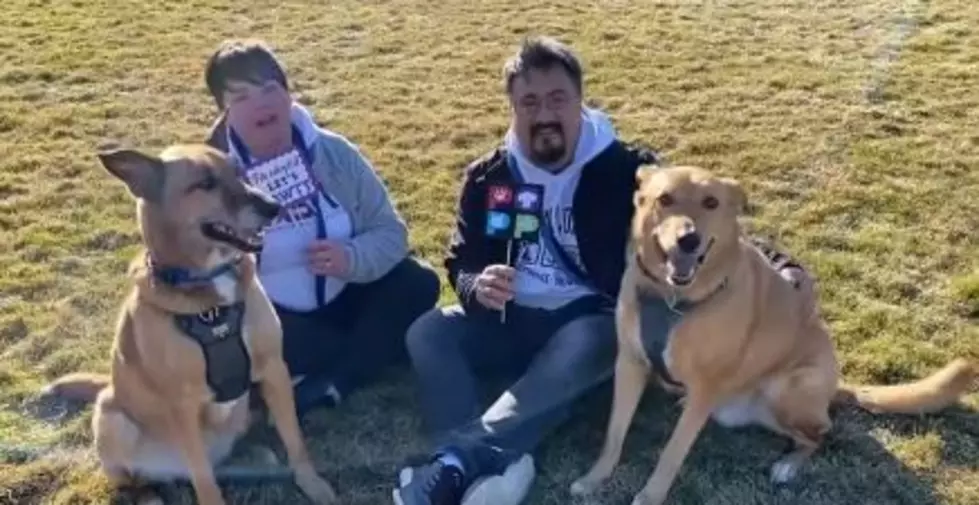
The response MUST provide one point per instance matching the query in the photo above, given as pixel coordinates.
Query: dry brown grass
(852, 124)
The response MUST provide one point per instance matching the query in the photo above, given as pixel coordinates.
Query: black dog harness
(219, 332)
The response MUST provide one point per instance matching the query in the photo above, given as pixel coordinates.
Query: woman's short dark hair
(247, 60)
(542, 53)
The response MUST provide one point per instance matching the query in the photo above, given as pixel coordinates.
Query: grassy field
(854, 126)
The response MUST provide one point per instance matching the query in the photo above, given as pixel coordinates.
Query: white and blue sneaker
(439, 483)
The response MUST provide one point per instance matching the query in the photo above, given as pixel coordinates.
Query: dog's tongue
(683, 265)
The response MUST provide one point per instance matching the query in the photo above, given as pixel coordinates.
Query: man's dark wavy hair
(542, 53)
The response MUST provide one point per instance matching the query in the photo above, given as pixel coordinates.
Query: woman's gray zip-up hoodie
(379, 238)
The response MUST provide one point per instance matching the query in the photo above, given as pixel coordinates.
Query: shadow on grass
(729, 466)
(361, 446)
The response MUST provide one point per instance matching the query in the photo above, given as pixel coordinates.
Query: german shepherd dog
(194, 333)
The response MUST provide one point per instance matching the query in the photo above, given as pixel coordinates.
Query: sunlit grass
(853, 125)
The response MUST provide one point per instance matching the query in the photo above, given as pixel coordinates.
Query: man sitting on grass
(558, 336)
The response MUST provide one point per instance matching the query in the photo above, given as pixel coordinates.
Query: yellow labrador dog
(194, 333)
(744, 345)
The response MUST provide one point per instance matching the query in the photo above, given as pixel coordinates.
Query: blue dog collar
(178, 277)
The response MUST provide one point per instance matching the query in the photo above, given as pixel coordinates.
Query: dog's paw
(649, 498)
(585, 485)
(785, 470)
(318, 490)
(597, 475)
(641, 499)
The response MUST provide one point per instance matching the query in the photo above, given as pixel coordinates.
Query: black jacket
(602, 210)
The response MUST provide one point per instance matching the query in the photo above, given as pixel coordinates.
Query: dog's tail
(80, 386)
(930, 394)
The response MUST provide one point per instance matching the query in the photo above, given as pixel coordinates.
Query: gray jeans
(557, 356)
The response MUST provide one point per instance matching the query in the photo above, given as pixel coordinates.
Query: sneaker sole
(404, 477)
(486, 493)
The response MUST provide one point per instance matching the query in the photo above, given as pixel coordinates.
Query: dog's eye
(709, 202)
(207, 184)
(665, 199)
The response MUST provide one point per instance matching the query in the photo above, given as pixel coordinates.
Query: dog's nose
(689, 242)
(265, 206)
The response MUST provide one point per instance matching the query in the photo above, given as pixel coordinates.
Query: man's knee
(588, 334)
(432, 333)
(585, 345)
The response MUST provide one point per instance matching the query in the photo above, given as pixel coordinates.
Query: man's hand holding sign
(513, 214)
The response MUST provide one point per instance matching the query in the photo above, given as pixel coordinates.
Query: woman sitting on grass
(335, 262)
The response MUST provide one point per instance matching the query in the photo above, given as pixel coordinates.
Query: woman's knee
(418, 282)
(427, 282)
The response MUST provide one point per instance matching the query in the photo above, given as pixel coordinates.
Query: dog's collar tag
(672, 302)
(214, 324)
(217, 320)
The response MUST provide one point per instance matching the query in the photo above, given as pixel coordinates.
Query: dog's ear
(142, 173)
(736, 195)
(638, 194)
(642, 175)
